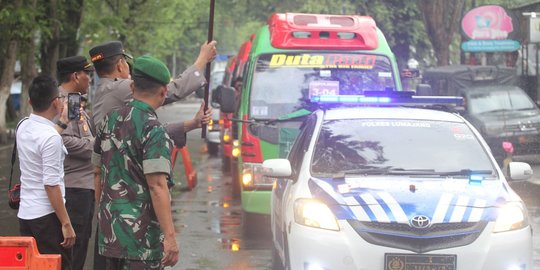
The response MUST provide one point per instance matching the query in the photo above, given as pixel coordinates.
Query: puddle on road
(230, 244)
(229, 223)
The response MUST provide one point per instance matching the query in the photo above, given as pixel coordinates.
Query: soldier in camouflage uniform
(133, 150)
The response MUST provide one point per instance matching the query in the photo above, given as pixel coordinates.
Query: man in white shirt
(42, 213)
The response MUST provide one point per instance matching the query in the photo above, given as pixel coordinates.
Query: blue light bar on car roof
(371, 100)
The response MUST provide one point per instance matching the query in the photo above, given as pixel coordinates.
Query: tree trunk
(28, 73)
(71, 22)
(441, 19)
(50, 45)
(28, 67)
(6, 78)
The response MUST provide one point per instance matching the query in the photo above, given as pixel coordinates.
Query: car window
(300, 146)
(352, 144)
(496, 101)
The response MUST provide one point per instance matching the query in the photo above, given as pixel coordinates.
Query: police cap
(106, 50)
(73, 64)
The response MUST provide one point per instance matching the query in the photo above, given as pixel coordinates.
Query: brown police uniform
(111, 94)
(78, 139)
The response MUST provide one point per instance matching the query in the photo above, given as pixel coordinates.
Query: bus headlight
(252, 177)
(236, 149)
(511, 216)
(314, 213)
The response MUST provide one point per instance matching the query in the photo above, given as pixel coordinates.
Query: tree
(441, 19)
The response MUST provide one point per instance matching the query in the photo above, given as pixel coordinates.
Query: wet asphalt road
(209, 221)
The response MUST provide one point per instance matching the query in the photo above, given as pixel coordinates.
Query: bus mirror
(227, 99)
(215, 99)
(424, 90)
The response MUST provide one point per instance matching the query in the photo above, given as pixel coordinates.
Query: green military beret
(151, 67)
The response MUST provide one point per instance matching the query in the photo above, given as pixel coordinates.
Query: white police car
(395, 188)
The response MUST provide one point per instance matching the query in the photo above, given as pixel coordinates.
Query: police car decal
(399, 204)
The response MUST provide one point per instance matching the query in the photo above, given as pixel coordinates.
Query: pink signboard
(488, 23)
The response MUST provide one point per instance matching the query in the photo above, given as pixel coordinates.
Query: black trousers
(47, 231)
(80, 203)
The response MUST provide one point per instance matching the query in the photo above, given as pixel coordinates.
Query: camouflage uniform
(131, 143)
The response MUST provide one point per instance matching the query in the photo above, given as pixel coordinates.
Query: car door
(280, 203)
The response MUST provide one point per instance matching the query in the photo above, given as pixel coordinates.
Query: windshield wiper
(465, 172)
(373, 170)
(289, 116)
(497, 110)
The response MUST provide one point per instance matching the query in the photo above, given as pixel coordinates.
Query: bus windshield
(285, 82)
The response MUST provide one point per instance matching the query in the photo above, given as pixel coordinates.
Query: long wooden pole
(209, 65)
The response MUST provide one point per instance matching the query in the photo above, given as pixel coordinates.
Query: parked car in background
(499, 109)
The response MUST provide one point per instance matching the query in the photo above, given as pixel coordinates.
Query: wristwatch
(60, 124)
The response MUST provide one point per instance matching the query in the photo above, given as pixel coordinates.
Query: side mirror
(227, 99)
(424, 90)
(519, 171)
(215, 97)
(278, 167)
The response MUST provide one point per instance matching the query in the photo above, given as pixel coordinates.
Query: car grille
(522, 127)
(403, 236)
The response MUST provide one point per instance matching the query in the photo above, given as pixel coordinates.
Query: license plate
(394, 261)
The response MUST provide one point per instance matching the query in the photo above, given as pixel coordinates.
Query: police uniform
(113, 93)
(130, 144)
(78, 169)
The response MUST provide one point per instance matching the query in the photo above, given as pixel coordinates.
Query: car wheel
(213, 148)
(253, 224)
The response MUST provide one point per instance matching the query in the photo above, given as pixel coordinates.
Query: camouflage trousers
(126, 264)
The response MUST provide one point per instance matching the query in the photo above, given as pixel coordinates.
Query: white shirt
(41, 158)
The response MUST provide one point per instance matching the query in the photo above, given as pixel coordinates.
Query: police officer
(74, 77)
(114, 90)
(134, 152)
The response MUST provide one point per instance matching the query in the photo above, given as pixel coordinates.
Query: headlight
(493, 130)
(236, 149)
(314, 213)
(511, 216)
(252, 176)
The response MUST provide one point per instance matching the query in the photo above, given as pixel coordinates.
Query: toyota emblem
(420, 222)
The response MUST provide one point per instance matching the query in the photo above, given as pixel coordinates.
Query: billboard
(490, 28)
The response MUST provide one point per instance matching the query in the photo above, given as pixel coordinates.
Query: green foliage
(159, 28)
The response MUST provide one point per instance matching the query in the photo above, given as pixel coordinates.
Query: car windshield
(498, 100)
(370, 146)
(284, 82)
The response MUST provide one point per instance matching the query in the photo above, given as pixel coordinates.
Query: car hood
(395, 200)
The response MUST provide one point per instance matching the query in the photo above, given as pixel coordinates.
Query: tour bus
(293, 58)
